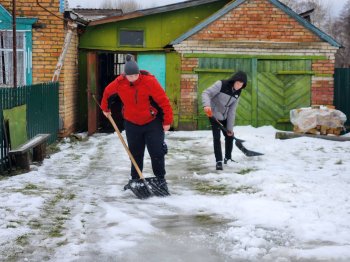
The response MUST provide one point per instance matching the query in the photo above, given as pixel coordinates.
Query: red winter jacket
(136, 99)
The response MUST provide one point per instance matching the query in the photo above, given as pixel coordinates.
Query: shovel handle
(122, 140)
(224, 128)
(125, 146)
(220, 125)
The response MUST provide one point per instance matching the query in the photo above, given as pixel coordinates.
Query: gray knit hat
(131, 68)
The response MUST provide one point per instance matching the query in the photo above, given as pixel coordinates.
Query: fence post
(342, 91)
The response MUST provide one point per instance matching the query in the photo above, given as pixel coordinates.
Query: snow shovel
(238, 142)
(142, 187)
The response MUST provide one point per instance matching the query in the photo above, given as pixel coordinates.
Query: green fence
(342, 92)
(42, 112)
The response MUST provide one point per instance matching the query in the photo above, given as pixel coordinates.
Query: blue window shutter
(28, 57)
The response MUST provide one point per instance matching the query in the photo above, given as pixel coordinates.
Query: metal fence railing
(42, 114)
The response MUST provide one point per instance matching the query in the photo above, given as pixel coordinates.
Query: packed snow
(291, 204)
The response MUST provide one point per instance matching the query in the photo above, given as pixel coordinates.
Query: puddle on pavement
(183, 222)
(181, 238)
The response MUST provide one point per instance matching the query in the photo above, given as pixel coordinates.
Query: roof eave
(151, 11)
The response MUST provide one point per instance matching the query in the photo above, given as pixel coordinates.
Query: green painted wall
(173, 76)
(160, 29)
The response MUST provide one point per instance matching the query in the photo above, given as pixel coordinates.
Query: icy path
(292, 204)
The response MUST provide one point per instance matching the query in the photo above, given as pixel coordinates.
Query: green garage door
(274, 88)
(208, 74)
(282, 86)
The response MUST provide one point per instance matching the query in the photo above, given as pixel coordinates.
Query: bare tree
(321, 17)
(125, 5)
(293, 4)
(341, 33)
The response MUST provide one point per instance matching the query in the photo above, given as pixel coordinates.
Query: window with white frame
(6, 58)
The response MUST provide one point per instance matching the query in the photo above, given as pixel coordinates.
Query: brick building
(43, 49)
(290, 62)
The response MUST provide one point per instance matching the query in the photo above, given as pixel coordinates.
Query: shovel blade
(245, 150)
(145, 188)
(139, 188)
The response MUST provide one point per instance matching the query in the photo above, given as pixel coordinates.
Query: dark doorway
(111, 65)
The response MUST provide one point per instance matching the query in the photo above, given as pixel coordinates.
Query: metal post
(14, 43)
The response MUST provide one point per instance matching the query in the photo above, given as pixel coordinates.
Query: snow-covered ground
(291, 204)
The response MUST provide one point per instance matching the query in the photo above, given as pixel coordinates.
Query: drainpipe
(71, 26)
(14, 44)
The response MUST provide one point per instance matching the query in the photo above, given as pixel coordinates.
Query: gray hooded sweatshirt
(223, 99)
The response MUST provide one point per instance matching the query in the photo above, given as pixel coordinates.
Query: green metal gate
(342, 91)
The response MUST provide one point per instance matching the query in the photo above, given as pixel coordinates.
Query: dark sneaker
(159, 186)
(219, 165)
(163, 184)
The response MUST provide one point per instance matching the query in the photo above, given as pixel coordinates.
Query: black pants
(152, 136)
(217, 142)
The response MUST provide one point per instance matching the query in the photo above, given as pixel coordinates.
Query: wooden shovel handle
(122, 140)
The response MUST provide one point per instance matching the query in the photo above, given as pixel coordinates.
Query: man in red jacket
(147, 115)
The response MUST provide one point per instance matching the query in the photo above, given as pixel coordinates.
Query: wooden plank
(22, 161)
(35, 141)
(254, 92)
(39, 152)
(288, 135)
(295, 73)
(92, 86)
(212, 70)
(260, 57)
(173, 83)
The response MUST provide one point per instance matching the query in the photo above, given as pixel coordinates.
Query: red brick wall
(47, 47)
(322, 89)
(257, 20)
(188, 92)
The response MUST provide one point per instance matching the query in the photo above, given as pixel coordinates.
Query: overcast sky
(337, 5)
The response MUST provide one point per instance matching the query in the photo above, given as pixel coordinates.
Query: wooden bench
(21, 154)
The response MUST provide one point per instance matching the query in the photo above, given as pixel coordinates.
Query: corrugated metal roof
(277, 3)
(151, 11)
(91, 14)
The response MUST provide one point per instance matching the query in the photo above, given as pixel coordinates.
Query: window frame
(25, 64)
(131, 30)
(23, 25)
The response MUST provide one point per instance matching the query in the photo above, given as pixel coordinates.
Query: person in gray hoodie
(220, 103)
